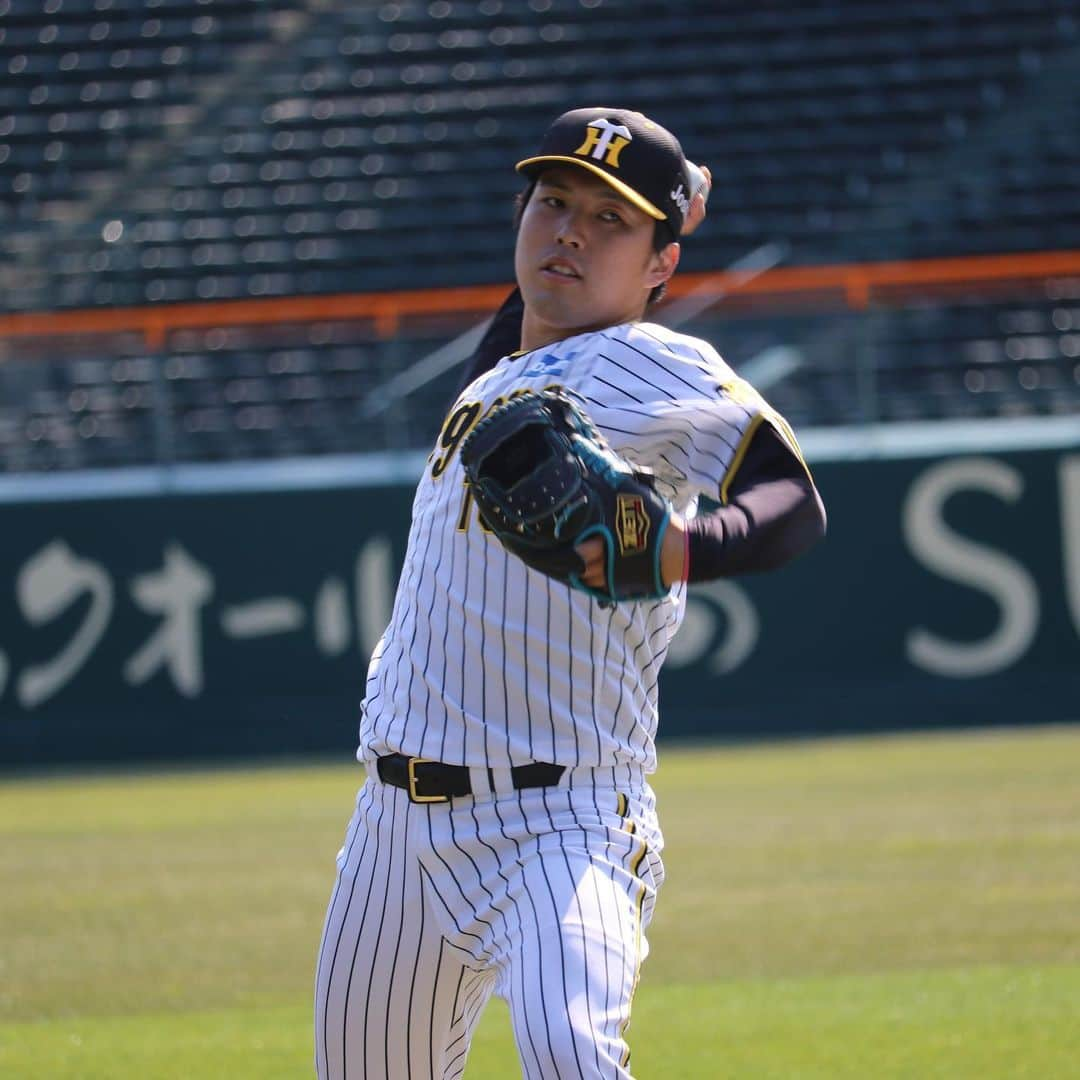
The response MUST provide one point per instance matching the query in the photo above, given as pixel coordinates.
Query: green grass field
(872, 908)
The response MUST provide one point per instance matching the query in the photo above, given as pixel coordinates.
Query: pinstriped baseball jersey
(489, 663)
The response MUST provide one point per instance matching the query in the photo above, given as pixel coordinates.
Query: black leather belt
(429, 781)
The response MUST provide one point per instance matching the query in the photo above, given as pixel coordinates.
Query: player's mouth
(560, 270)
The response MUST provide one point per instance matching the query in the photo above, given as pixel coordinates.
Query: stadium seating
(221, 394)
(399, 121)
(225, 393)
(200, 150)
(932, 362)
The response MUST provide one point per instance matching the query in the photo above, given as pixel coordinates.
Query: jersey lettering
(458, 424)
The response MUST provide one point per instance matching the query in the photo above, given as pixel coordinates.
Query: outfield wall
(198, 612)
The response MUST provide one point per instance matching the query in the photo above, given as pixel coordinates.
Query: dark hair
(661, 237)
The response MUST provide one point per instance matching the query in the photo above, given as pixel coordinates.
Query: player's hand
(592, 555)
(697, 205)
(672, 554)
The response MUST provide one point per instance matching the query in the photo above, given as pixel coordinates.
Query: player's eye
(612, 216)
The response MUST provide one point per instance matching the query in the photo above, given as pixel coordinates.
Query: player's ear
(662, 264)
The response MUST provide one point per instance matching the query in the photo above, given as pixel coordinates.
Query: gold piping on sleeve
(740, 453)
(787, 436)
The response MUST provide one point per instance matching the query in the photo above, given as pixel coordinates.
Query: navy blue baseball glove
(544, 480)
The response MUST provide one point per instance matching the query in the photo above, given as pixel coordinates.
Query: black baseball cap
(640, 159)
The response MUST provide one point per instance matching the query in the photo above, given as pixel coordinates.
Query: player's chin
(556, 292)
(558, 307)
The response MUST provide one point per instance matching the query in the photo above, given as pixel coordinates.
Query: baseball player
(506, 839)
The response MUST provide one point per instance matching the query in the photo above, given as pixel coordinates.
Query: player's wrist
(674, 554)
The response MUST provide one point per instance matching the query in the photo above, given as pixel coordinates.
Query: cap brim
(627, 192)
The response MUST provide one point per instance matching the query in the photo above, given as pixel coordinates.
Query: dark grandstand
(211, 151)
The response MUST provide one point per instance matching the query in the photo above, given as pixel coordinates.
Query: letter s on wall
(966, 562)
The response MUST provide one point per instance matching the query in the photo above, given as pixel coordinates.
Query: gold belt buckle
(414, 796)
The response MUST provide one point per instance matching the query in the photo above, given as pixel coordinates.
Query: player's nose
(569, 232)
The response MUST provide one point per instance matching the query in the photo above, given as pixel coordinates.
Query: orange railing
(854, 285)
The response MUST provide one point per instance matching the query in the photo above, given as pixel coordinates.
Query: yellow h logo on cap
(605, 140)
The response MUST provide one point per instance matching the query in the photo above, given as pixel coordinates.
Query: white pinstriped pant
(541, 896)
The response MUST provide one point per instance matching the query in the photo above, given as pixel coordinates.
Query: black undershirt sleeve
(500, 339)
(772, 515)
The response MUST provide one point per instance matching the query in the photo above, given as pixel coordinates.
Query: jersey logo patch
(548, 364)
(631, 524)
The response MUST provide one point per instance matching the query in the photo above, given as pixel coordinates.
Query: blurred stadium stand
(155, 152)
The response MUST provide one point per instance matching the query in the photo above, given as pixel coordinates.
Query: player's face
(584, 257)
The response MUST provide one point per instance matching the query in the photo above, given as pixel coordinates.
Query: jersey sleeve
(760, 412)
(773, 513)
(681, 411)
